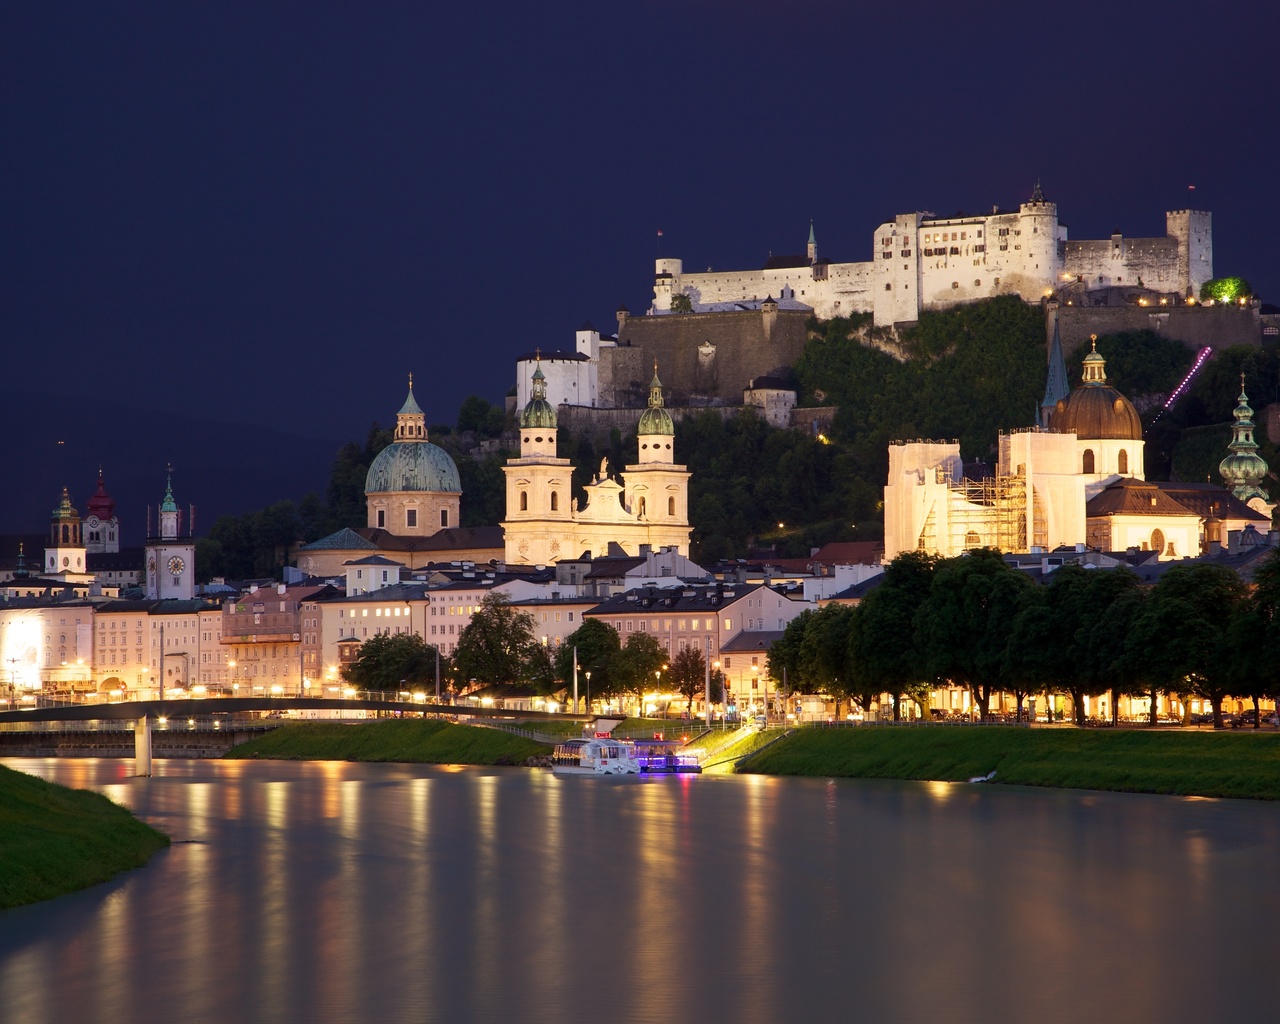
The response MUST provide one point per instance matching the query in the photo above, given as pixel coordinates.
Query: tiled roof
(344, 540)
(674, 599)
(752, 640)
(1134, 498)
(1211, 501)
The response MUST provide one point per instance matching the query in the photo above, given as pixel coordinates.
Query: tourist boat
(595, 757)
(662, 757)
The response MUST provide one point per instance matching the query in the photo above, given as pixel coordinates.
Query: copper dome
(1095, 410)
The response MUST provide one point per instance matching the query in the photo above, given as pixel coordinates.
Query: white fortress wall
(921, 261)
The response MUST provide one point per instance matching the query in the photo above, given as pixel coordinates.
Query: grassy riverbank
(428, 741)
(54, 840)
(1125, 760)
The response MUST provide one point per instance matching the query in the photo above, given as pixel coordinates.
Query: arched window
(1088, 460)
(555, 501)
(524, 501)
(671, 506)
(640, 508)
(972, 541)
(1122, 465)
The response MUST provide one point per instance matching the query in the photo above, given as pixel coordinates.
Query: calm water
(347, 892)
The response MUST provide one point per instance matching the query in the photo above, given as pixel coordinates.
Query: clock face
(93, 522)
(176, 565)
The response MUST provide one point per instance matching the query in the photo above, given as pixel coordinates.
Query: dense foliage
(391, 661)
(975, 621)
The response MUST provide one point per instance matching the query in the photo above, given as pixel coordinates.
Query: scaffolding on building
(989, 513)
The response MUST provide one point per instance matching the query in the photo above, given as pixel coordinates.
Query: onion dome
(1095, 410)
(539, 412)
(656, 419)
(411, 462)
(1243, 470)
(65, 511)
(100, 504)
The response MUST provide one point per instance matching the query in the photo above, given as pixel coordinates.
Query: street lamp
(588, 675)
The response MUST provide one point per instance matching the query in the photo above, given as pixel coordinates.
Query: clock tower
(171, 554)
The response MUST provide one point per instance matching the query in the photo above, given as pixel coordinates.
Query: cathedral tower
(539, 523)
(657, 490)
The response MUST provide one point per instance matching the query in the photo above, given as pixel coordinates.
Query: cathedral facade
(649, 505)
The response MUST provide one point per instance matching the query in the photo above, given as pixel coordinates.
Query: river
(334, 891)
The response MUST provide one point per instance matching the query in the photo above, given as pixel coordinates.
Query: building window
(444, 517)
(524, 501)
(1157, 540)
(671, 506)
(1088, 460)
(555, 501)
(1122, 463)
(411, 518)
(382, 519)
(641, 508)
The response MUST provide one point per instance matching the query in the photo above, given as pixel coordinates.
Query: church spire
(1057, 385)
(1244, 469)
(813, 244)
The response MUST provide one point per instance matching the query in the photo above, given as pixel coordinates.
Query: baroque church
(1076, 479)
(648, 507)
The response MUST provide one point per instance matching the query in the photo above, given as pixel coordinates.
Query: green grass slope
(1138, 761)
(55, 840)
(424, 741)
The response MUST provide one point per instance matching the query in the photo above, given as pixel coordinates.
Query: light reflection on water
(336, 892)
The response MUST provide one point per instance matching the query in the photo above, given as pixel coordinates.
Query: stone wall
(1195, 326)
(701, 355)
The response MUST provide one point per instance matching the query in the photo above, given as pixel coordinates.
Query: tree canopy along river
(335, 891)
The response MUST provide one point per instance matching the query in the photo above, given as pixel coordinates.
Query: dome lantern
(656, 419)
(538, 414)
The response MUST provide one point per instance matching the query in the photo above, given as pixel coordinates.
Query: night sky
(229, 233)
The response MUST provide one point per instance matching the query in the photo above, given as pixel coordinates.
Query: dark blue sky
(262, 216)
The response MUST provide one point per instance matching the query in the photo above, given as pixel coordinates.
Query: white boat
(595, 757)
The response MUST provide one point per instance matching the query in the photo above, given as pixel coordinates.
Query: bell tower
(171, 554)
(65, 554)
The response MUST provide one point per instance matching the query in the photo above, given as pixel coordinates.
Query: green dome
(413, 466)
(539, 412)
(656, 419)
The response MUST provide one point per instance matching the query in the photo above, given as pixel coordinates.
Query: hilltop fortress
(921, 261)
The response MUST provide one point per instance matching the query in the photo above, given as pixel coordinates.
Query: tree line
(979, 623)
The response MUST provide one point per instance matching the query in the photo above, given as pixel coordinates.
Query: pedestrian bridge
(143, 714)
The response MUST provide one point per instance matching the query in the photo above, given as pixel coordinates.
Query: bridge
(143, 713)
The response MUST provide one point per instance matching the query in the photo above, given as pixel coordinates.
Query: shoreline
(1159, 762)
